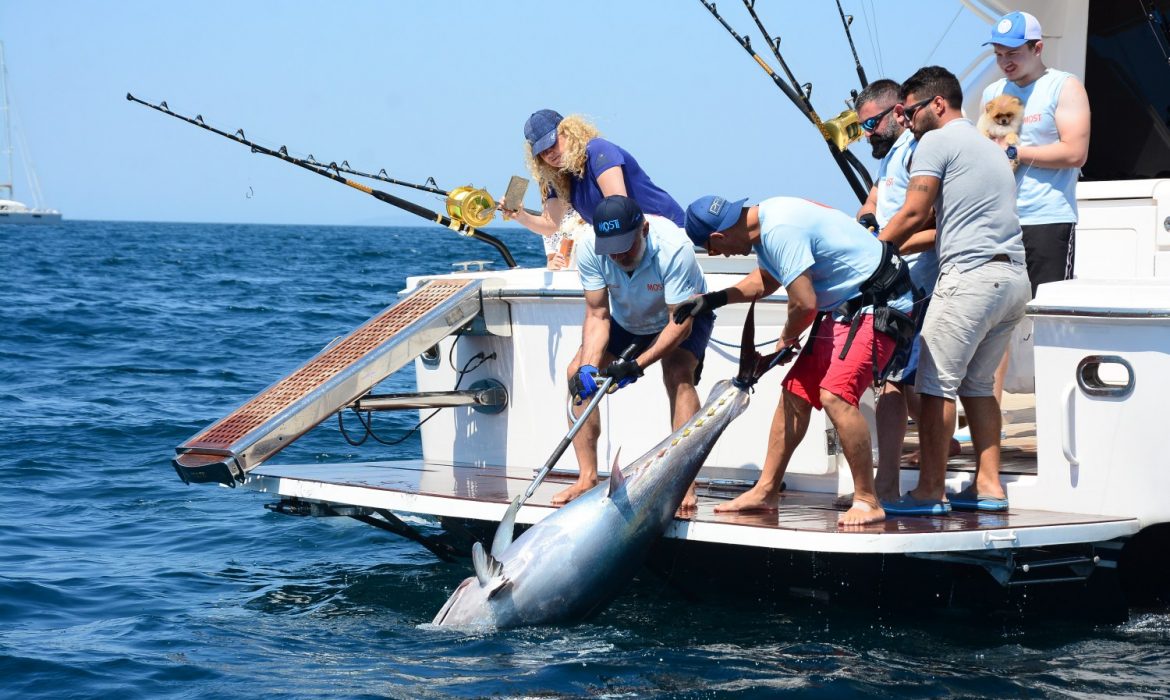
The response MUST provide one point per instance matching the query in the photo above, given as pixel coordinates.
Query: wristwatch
(1011, 152)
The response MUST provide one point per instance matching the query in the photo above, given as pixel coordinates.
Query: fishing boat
(1084, 469)
(12, 211)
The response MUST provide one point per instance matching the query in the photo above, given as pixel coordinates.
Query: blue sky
(432, 88)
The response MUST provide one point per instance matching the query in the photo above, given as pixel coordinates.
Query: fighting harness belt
(890, 280)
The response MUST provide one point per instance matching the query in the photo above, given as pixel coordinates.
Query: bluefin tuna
(573, 563)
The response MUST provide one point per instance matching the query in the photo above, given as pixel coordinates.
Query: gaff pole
(404, 204)
(855, 173)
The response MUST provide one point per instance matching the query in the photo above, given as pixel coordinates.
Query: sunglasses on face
(871, 124)
(909, 112)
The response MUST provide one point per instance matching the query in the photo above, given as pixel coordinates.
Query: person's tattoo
(919, 187)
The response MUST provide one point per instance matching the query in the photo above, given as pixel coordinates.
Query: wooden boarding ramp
(231, 447)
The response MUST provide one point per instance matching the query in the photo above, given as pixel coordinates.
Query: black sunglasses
(871, 124)
(910, 111)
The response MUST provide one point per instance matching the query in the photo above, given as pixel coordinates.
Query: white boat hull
(30, 217)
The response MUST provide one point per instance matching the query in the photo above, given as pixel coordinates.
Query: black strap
(889, 280)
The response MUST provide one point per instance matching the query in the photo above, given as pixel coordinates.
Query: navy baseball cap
(709, 214)
(1015, 29)
(541, 130)
(617, 221)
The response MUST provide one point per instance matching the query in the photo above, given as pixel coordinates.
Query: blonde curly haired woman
(576, 168)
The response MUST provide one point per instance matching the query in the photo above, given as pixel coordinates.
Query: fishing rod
(847, 22)
(838, 132)
(804, 91)
(430, 185)
(470, 205)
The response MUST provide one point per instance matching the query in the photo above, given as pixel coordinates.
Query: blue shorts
(696, 342)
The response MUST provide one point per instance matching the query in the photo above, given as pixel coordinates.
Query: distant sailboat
(12, 211)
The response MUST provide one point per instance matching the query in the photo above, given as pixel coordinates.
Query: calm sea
(120, 340)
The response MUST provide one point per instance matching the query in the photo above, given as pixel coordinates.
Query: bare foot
(573, 491)
(752, 499)
(955, 450)
(846, 501)
(861, 513)
(690, 503)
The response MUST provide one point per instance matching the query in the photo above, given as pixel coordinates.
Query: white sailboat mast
(6, 118)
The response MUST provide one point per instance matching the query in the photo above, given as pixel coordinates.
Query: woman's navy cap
(541, 130)
(709, 214)
(617, 221)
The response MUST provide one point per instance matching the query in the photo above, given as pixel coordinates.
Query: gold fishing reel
(842, 130)
(471, 206)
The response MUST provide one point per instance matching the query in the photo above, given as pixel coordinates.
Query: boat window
(1127, 76)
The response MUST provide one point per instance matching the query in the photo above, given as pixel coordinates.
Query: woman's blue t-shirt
(601, 155)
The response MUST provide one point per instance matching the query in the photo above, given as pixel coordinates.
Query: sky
(436, 89)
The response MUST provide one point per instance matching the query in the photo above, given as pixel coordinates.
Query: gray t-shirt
(976, 205)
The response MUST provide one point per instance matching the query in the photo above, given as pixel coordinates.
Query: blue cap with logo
(617, 221)
(709, 214)
(541, 130)
(1015, 29)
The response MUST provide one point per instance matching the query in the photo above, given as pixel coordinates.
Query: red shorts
(819, 367)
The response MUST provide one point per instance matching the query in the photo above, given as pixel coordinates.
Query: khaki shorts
(967, 328)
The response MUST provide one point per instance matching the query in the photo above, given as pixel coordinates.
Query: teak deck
(804, 521)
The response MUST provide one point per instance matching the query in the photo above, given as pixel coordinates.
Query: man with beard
(981, 289)
(634, 271)
(893, 145)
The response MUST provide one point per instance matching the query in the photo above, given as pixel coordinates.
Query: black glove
(699, 305)
(870, 222)
(625, 372)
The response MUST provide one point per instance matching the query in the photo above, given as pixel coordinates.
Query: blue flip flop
(969, 499)
(909, 505)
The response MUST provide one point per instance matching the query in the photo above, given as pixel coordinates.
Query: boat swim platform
(805, 521)
(338, 375)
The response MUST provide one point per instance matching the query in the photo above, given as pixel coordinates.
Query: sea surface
(120, 340)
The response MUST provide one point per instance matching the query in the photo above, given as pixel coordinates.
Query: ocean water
(120, 340)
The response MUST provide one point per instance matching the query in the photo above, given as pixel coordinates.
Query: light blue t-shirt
(1045, 195)
(893, 176)
(839, 254)
(669, 273)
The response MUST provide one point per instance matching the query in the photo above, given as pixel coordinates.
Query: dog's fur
(1001, 119)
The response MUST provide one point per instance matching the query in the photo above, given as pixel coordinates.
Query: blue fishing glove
(583, 384)
(624, 372)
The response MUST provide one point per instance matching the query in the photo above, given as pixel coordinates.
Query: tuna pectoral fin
(487, 567)
(506, 529)
(616, 478)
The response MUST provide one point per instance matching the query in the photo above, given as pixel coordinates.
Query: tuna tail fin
(752, 365)
(616, 478)
(506, 529)
(487, 567)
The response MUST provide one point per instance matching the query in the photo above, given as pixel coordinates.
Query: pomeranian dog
(1001, 119)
